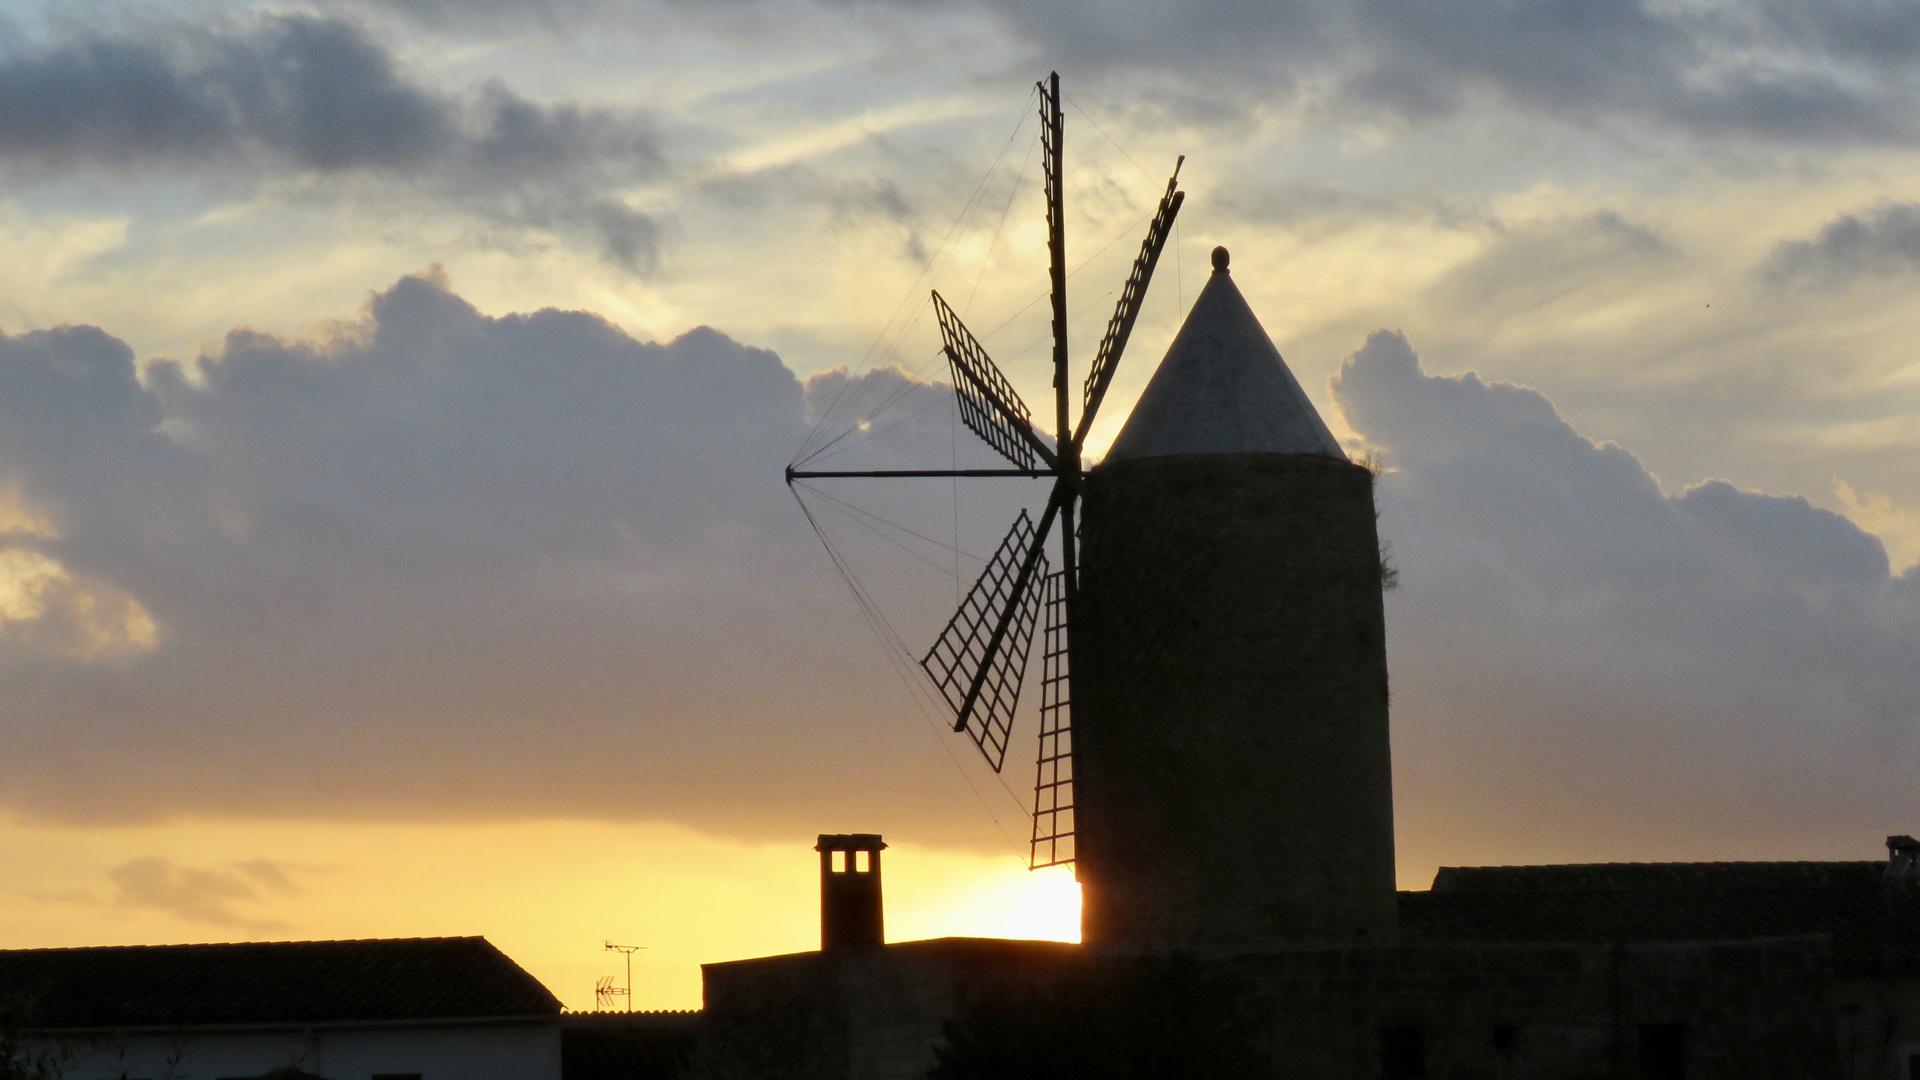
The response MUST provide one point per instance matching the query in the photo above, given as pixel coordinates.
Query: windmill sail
(1053, 773)
(1120, 327)
(988, 405)
(980, 659)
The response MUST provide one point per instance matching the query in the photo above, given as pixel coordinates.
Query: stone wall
(1232, 772)
(1757, 1009)
(1720, 1010)
(858, 1014)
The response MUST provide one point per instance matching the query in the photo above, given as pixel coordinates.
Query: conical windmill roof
(1223, 389)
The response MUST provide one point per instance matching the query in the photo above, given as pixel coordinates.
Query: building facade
(404, 1009)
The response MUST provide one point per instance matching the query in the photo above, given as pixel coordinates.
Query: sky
(394, 396)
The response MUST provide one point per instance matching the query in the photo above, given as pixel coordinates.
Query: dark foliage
(1166, 1018)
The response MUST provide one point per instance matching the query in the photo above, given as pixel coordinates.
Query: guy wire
(966, 209)
(890, 641)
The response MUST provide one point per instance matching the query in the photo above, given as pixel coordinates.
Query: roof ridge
(247, 944)
(1714, 862)
(1663, 877)
(253, 982)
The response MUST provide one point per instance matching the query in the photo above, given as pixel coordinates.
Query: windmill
(979, 661)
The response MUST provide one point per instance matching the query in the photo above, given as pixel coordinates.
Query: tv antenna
(615, 991)
(980, 660)
(604, 992)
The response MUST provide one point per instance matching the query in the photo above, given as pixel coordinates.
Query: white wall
(496, 1051)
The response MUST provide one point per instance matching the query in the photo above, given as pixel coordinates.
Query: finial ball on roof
(1220, 258)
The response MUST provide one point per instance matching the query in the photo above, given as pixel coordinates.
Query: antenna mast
(628, 951)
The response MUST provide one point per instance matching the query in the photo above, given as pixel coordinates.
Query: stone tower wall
(1232, 774)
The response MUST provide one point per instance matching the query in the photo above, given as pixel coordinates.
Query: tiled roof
(269, 983)
(1873, 926)
(1659, 876)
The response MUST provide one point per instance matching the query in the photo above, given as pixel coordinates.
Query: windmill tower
(1233, 771)
(1213, 727)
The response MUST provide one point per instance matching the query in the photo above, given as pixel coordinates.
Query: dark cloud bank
(316, 95)
(1586, 666)
(447, 565)
(1880, 241)
(439, 565)
(1813, 72)
(1820, 72)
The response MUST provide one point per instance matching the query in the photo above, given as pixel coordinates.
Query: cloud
(1883, 241)
(317, 96)
(59, 390)
(1819, 74)
(847, 201)
(1815, 74)
(273, 875)
(1741, 69)
(1897, 528)
(47, 609)
(1571, 639)
(204, 896)
(436, 564)
(445, 565)
(1530, 265)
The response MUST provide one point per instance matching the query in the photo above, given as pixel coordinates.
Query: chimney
(850, 909)
(1903, 862)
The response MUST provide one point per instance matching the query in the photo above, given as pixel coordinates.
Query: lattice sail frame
(955, 659)
(979, 661)
(1134, 294)
(1053, 823)
(988, 404)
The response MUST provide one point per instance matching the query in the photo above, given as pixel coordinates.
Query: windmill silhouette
(979, 661)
